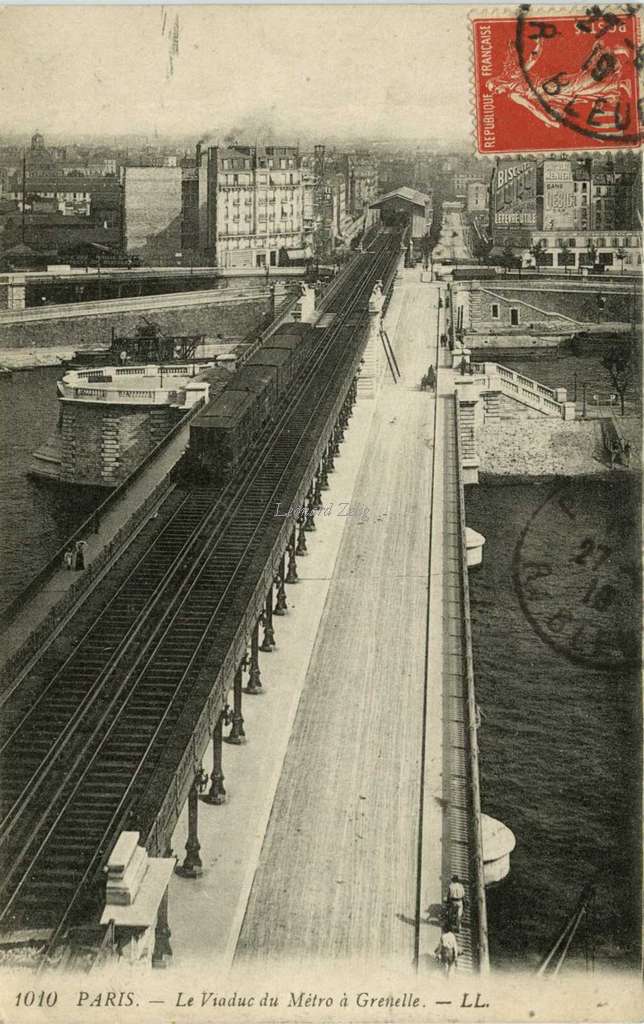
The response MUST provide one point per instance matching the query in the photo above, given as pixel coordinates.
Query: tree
(591, 250)
(621, 255)
(426, 246)
(538, 251)
(482, 248)
(566, 254)
(509, 257)
(619, 363)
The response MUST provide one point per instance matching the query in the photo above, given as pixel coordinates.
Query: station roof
(410, 195)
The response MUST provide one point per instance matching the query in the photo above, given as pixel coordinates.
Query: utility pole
(24, 193)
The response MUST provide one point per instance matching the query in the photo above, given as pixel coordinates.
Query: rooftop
(411, 195)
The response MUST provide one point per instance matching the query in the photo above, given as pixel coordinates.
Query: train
(224, 431)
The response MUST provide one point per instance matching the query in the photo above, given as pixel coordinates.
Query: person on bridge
(463, 366)
(79, 551)
(431, 377)
(447, 950)
(443, 340)
(456, 895)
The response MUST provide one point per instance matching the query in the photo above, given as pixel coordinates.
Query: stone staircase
(510, 408)
(491, 405)
(467, 435)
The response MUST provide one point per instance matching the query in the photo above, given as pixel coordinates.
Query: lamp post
(601, 304)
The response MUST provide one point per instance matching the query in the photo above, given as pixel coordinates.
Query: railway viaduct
(119, 687)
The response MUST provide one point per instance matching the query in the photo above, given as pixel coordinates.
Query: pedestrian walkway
(337, 875)
(231, 834)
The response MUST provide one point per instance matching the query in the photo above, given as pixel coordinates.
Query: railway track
(74, 764)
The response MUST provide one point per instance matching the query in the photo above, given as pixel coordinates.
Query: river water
(560, 732)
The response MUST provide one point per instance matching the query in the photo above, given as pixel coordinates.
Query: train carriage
(281, 359)
(296, 338)
(263, 382)
(219, 433)
(222, 433)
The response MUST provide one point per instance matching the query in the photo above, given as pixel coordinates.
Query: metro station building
(407, 204)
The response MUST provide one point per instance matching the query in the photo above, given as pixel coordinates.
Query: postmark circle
(580, 91)
(576, 574)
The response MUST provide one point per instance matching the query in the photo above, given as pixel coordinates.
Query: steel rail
(44, 769)
(32, 787)
(118, 813)
(350, 306)
(140, 564)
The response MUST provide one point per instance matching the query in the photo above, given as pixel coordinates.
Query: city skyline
(260, 74)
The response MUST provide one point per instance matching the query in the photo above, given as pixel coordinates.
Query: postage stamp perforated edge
(538, 10)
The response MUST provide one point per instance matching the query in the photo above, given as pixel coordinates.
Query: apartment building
(249, 204)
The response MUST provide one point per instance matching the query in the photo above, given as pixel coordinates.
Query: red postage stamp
(558, 82)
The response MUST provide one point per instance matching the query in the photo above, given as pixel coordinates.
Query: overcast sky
(376, 72)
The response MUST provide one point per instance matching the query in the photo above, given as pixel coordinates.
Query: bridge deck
(141, 767)
(338, 872)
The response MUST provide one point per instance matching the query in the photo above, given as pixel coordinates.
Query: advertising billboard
(514, 195)
(558, 195)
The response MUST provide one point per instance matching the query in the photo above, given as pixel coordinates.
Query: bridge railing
(524, 389)
(34, 641)
(478, 906)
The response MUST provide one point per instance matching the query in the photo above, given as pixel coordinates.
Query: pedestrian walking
(456, 896)
(431, 377)
(80, 554)
(68, 559)
(443, 340)
(447, 950)
(463, 366)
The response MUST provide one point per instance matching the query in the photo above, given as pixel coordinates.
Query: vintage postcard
(320, 506)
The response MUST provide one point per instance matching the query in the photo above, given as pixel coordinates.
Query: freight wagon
(222, 433)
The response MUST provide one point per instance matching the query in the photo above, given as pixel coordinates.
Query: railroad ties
(111, 724)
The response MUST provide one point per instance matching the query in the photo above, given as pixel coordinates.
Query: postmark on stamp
(578, 582)
(558, 82)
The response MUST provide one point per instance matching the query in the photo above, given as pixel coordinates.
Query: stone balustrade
(136, 385)
(549, 401)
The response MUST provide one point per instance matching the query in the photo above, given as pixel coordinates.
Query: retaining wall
(94, 331)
